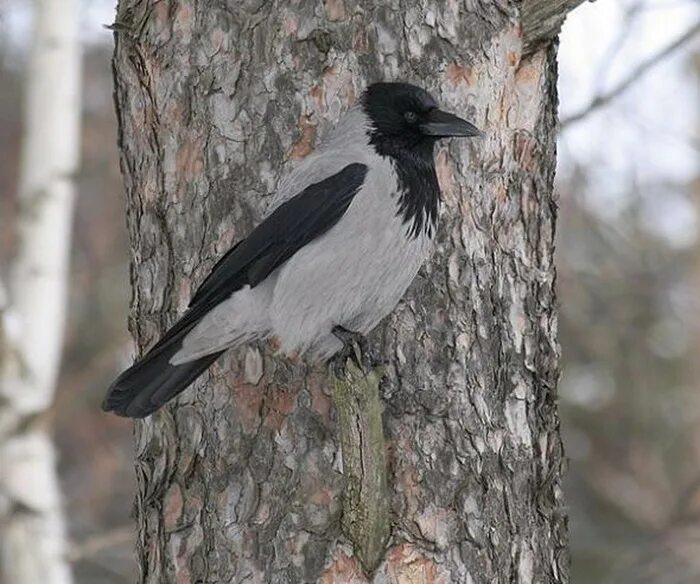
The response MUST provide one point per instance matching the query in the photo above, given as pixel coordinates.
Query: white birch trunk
(32, 530)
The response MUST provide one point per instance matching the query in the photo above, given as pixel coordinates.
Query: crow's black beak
(443, 125)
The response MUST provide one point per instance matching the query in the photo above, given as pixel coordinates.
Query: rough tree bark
(32, 530)
(239, 481)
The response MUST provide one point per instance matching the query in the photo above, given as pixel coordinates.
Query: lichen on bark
(240, 479)
(365, 514)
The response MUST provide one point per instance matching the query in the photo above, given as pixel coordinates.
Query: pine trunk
(240, 480)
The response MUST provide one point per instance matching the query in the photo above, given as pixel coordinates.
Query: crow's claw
(355, 347)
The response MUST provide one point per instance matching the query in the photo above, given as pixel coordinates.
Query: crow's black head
(403, 116)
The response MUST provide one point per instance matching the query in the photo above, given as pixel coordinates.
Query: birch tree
(33, 308)
(240, 479)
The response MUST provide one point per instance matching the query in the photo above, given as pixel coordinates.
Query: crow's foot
(355, 348)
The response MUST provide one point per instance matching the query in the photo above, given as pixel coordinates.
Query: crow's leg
(355, 347)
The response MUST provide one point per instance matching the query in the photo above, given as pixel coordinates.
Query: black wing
(289, 228)
(152, 381)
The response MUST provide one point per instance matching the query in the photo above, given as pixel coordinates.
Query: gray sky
(648, 134)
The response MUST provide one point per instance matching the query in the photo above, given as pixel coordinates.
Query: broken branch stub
(365, 501)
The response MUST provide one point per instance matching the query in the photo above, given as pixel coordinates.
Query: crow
(351, 227)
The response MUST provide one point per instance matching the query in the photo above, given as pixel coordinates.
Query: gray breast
(352, 276)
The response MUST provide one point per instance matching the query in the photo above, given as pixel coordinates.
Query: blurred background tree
(34, 305)
(629, 289)
(94, 461)
(628, 266)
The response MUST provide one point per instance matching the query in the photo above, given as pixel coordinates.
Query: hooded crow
(350, 228)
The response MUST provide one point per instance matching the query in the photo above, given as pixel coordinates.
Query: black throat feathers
(419, 191)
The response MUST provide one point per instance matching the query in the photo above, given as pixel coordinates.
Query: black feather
(396, 134)
(419, 191)
(152, 381)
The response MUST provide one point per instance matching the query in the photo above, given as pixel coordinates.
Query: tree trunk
(32, 530)
(240, 480)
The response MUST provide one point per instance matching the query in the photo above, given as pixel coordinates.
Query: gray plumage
(352, 276)
(348, 231)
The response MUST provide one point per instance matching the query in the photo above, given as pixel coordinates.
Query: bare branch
(636, 74)
(542, 20)
(625, 31)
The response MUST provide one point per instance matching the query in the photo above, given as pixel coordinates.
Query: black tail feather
(152, 381)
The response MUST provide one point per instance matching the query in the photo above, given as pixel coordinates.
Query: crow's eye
(411, 117)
